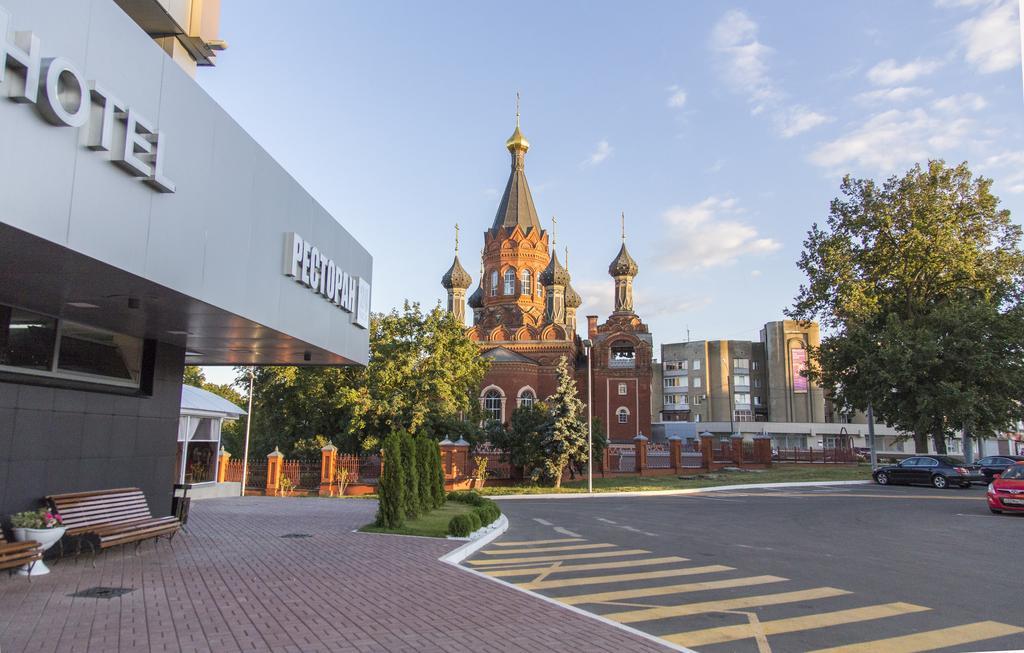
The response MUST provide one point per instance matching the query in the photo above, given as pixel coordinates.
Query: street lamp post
(587, 346)
(871, 438)
(248, 425)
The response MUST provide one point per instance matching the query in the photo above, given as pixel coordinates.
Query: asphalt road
(855, 568)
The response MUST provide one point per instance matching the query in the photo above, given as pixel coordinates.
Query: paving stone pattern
(232, 583)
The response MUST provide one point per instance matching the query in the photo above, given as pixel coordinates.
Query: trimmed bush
(425, 460)
(488, 512)
(474, 520)
(412, 477)
(460, 526)
(391, 487)
(438, 468)
(467, 496)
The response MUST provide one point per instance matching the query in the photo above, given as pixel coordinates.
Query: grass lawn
(431, 524)
(633, 483)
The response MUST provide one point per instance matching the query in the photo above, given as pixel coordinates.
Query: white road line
(607, 521)
(542, 522)
(637, 530)
(565, 531)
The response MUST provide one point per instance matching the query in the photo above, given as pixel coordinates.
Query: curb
(456, 557)
(668, 493)
(469, 548)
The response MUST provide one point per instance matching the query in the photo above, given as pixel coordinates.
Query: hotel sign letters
(305, 263)
(64, 97)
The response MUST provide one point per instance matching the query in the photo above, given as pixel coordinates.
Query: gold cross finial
(623, 227)
(566, 258)
(554, 225)
(517, 108)
(456, 237)
(481, 265)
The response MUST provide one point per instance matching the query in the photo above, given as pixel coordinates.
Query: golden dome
(517, 141)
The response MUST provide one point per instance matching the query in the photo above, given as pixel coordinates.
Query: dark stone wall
(55, 439)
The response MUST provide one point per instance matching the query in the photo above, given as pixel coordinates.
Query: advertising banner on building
(798, 358)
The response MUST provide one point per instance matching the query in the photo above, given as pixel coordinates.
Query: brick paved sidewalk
(232, 583)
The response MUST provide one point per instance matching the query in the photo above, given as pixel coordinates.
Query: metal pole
(248, 425)
(968, 447)
(590, 424)
(871, 438)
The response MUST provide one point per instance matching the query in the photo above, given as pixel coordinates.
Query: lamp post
(871, 438)
(587, 346)
(248, 425)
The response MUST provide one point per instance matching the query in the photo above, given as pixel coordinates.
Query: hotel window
(494, 283)
(742, 398)
(741, 363)
(744, 416)
(696, 364)
(753, 365)
(741, 379)
(510, 281)
(672, 382)
(695, 401)
(527, 283)
(673, 366)
(492, 405)
(757, 400)
(622, 388)
(623, 415)
(674, 399)
(41, 345)
(526, 398)
(757, 382)
(696, 381)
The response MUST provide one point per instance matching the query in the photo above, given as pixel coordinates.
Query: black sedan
(992, 465)
(938, 471)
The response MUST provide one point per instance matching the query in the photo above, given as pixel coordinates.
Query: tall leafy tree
(917, 282)
(565, 440)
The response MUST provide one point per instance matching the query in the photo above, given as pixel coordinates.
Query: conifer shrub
(392, 484)
(438, 469)
(425, 461)
(412, 477)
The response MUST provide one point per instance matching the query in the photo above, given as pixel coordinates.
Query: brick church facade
(524, 318)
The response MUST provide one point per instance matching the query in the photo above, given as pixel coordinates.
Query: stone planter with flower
(41, 526)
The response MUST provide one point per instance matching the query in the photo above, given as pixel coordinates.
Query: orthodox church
(524, 318)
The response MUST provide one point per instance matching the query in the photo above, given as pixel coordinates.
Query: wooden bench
(16, 554)
(107, 518)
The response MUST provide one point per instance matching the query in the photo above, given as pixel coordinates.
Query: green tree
(194, 376)
(523, 440)
(565, 441)
(437, 488)
(917, 282)
(427, 477)
(412, 477)
(391, 487)
(308, 448)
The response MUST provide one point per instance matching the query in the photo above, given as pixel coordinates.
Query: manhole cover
(293, 536)
(103, 592)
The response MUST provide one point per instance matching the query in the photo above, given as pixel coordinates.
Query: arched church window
(526, 398)
(622, 354)
(527, 283)
(510, 281)
(492, 404)
(494, 283)
(623, 415)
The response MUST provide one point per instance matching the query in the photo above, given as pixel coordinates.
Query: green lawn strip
(633, 483)
(431, 524)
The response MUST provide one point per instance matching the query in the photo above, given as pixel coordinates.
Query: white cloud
(798, 119)
(1012, 166)
(954, 103)
(992, 40)
(891, 95)
(677, 97)
(890, 73)
(600, 154)
(671, 305)
(755, 273)
(598, 296)
(709, 234)
(894, 138)
(744, 58)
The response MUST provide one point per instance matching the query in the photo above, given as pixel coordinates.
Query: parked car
(992, 465)
(1006, 491)
(938, 471)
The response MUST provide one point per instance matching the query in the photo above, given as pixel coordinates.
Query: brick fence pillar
(274, 461)
(328, 468)
(606, 459)
(763, 449)
(707, 450)
(460, 459)
(447, 449)
(640, 455)
(736, 447)
(222, 465)
(675, 452)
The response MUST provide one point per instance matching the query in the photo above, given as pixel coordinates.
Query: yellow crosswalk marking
(589, 566)
(931, 639)
(633, 616)
(623, 595)
(564, 556)
(792, 624)
(523, 542)
(547, 549)
(620, 578)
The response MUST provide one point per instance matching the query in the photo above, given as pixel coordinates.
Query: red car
(1006, 491)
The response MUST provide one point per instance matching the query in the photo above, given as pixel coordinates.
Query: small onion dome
(476, 300)
(572, 298)
(456, 276)
(517, 141)
(623, 265)
(554, 274)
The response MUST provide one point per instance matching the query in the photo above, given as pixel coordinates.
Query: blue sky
(721, 129)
